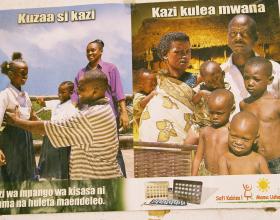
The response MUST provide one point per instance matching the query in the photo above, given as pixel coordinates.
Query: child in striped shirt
(92, 133)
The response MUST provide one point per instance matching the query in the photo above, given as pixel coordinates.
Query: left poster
(53, 42)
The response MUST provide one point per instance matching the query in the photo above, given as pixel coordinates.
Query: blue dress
(54, 162)
(17, 146)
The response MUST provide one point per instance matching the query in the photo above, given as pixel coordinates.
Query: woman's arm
(124, 121)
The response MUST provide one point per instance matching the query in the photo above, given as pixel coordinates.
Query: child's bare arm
(263, 166)
(223, 167)
(146, 100)
(199, 154)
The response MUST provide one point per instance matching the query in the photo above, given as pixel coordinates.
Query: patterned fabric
(137, 111)
(203, 171)
(166, 118)
(92, 135)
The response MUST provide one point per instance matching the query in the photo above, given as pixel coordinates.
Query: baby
(145, 92)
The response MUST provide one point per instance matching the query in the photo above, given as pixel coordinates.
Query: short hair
(69, 84)
(99, 42)
(7, 66)
(246, 116)
(260, 62)
(166, 40)
(251, 22)
(139, 72)
(223, 94)
(204, 65)
(96, 76)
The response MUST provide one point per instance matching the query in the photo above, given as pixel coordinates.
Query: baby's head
(220, 104)
(257, 75)
(212, 74)
(243, 133)
(146, 81)
(16, 70)
(92, 86)
(65, 91)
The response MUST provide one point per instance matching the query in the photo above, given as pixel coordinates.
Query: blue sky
(56, 51)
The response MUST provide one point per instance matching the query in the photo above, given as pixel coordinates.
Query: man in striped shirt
(92, 133)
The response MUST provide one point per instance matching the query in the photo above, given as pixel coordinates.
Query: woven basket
(153, 159)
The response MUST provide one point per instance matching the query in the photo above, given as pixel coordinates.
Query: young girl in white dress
(54, 162)
(16, 143)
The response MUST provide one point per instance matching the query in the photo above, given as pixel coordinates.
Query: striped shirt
(92, 135)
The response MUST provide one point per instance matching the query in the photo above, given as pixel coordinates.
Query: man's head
(257, 75)
(212, 75)
(92, 86)
(242, 34)
(243, 133)
(220, 104)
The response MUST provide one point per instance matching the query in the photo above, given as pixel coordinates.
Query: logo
(247, 191)
(263, 184)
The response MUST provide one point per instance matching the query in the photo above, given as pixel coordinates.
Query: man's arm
(124, 121)
(36, 127)
(199, 154)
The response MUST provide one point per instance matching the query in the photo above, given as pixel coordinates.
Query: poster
(53, 42)
(167, 111)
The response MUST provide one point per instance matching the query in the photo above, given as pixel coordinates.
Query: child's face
(19, 76)
(94, 52)
(64, 93)
(256, 80)
(85, 92)
(214, 80)
(219, 112)
(241, 138)
(148, 82)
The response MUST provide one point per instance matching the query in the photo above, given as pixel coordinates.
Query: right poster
(206, 84)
